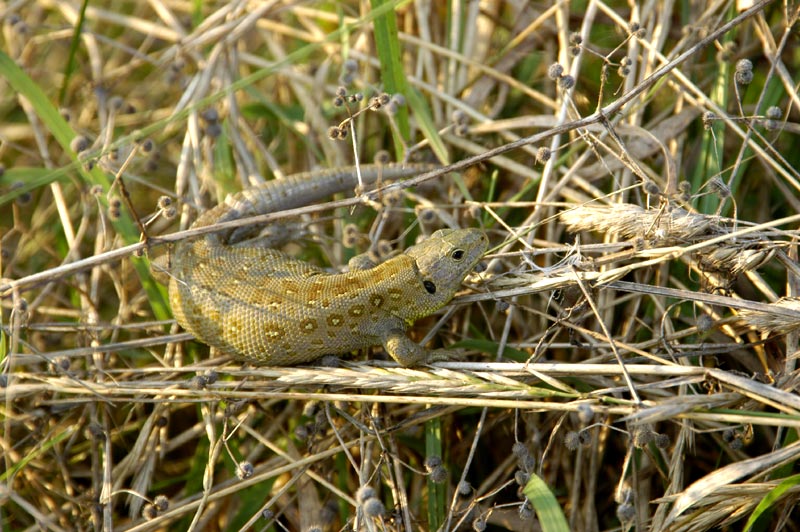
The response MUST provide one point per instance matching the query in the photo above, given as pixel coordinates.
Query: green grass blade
(436, 491)
(425, 121)
(390, 55)
(69, 69)
(43, 448)
(63, 133)
(46, 112)
(770, 499)
(551, 517)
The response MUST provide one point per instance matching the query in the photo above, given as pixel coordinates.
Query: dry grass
(643, 366)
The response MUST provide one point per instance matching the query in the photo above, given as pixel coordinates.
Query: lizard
(254, 302)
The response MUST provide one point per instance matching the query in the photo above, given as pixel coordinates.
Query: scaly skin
(259, 304)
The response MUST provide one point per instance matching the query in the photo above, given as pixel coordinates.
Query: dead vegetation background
(633, 336)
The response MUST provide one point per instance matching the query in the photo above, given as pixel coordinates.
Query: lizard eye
(457, 254)
(429, 286)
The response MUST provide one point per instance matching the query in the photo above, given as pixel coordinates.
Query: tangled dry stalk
(633, 337)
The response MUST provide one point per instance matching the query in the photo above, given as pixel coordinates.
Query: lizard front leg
(403, 349)
(408, 353)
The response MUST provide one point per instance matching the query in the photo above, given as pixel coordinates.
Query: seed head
(382, 157)
(210, 115)
(350, 65)
(543, 154)
(774, 112)
(374, 507)
(626, 512)
(334, 132)
(555, 71)
(708, 119)
(365, 492)
(572, 441)
(161, 502)
(641, 437)
(652, 189)
(526, 510)
(704, 323)
(399, 99)
(459, 117)
(662, 441)
(213, 130)
(149, 512)
(244, 470)
(438, 475)
(744, 72)
(432, 461)
(585, 413)
(566, 82)
(519, 449)
(79, 144)
(147, 145)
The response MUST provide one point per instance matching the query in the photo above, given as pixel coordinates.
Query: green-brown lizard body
(257, 303)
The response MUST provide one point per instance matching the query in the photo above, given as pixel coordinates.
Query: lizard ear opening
(429, 286)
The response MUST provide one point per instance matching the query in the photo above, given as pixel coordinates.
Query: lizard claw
(447, 355)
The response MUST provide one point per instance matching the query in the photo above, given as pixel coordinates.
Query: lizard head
(443, 260)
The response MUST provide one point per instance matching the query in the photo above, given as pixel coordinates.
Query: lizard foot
(408, 353)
